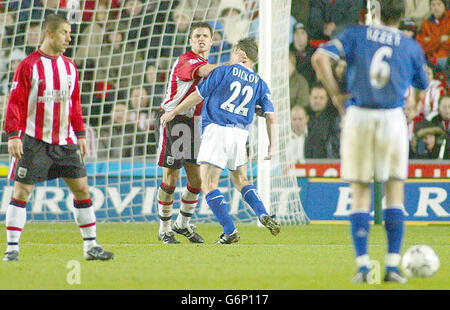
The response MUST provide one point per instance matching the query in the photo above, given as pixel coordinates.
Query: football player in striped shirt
(231, 95)
(47, 137)
(180, 139)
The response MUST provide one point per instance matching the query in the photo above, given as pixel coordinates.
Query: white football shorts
(374, 144)
(223, 147)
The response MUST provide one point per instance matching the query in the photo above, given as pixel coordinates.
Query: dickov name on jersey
(252, 78)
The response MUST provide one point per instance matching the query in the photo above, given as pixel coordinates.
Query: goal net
(124, 51)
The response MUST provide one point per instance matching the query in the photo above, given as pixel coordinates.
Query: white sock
(86, 220)
(16, 217)
(363, 261)
(165, 205)
(392, 260)
(189, 200)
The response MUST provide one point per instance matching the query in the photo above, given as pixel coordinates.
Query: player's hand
(166, 117)
(240, 56)
(15, 147)
(83, 146)
(444, 38)
(339, 102)
(269, 153)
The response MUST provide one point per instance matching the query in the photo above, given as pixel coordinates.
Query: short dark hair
(249, 46)
(52, 22)
(391, 11)
(200, 25)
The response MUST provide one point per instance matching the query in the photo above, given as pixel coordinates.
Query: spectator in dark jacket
(303, 51)
(321, 124)
(118, 137)
(328, 17)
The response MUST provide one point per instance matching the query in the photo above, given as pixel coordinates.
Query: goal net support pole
(264, 68)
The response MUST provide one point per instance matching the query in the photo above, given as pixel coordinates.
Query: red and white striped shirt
(45, 100)
(182, 82)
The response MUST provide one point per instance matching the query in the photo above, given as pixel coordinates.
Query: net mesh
(124, 51)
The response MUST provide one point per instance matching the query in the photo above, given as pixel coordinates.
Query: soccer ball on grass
(420, 261)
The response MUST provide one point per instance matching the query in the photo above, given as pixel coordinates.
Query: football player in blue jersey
(231, 95)
(382, 64)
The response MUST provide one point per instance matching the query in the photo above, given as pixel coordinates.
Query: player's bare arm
(271, 132)
(322, 64)
(192, 100)
(205, 70)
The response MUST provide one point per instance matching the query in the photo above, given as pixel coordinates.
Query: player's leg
(16, 217)
(216, 201)
(394, 225)
(360, 227)
(189, 197)
(357, 167)
(251, 197)
(166, 192)
(189, 200)
(392, 167)
(31, 168)
(85, 218)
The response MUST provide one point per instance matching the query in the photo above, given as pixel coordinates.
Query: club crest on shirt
(14, 85)
(194, 61)
(170, 160)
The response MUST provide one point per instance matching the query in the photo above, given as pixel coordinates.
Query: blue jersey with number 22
(382, 64)
(231, 94)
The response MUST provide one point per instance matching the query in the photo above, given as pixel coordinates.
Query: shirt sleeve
(186, 68)
(77, 113)
(339, 47)
(207, 86)
(16, 111)
(265, 101)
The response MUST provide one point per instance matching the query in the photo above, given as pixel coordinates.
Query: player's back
(381, 65)
(231, 94)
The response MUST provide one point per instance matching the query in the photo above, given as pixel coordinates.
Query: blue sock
(360, 232)
(216, 201)
(393, 223)
(251, 197)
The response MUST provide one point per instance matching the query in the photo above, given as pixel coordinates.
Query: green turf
(300, 257)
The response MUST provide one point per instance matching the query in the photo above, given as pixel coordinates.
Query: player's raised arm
(205, 70)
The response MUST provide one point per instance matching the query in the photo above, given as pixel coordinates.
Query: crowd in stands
(427, 21)
(124, 50)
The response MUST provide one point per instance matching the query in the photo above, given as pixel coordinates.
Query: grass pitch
(300, 258)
